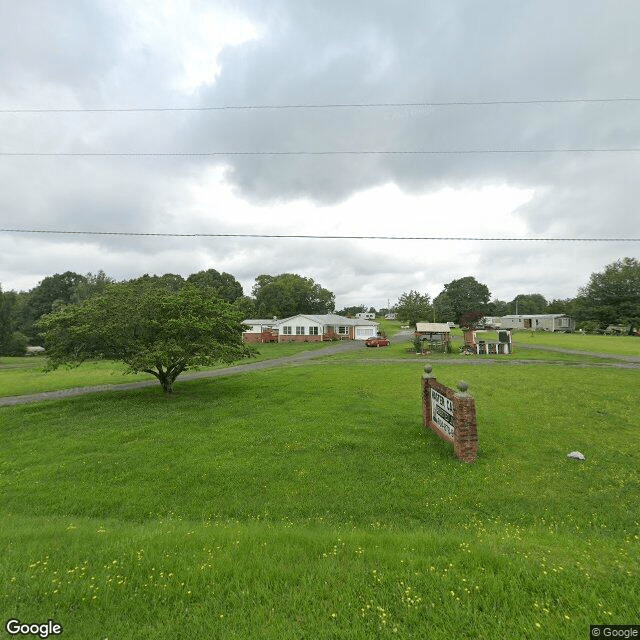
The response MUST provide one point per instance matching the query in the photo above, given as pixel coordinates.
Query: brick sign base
(451, 415)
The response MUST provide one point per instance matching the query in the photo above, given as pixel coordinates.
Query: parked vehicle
(376, 341)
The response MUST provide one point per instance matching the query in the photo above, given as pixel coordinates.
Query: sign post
(451, 415)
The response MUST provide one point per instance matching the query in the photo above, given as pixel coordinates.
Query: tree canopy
(613, 295)
(414, 307)
(530, 303)
(223, 284)
(352, 310)
(461, 296)
(50, 293)
(289, 294)
(149, 327)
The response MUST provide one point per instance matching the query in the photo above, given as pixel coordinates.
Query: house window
(286, 331)
(564, 322)
(313, 331)
(344, 331)
(299, 331)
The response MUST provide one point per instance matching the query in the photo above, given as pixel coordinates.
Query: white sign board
(442, 412)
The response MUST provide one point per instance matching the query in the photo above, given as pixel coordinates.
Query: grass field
(622, 345)
(19, 376)
(307, 502)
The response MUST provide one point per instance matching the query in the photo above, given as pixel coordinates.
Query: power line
(354, 105)
(345, 152)
(314, 237)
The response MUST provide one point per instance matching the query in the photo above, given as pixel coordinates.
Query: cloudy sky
(252, 118)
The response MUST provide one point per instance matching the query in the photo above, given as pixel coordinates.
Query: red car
(376, 341)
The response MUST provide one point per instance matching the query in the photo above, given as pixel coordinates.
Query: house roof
(432, 327)
(537, 315)
(259, 321)
(330, 319)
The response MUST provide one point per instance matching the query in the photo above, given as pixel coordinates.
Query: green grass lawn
(388, 327)
(307, 502)
(19, 376)
(621, 345)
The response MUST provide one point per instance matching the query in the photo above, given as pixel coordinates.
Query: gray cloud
(97, 53)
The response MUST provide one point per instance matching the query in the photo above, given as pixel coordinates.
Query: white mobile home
(539, 322)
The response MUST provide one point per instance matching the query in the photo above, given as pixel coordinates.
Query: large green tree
(462, 296)
(12, 341)
(288, 294)
(49, 294)
(92, 285)
(6, 327)
(223, 284)
(562, 305)
(528, 303)
(147, 326)
(169, 281)
(414, 307)
(613, 295)
(497, 308)
(352, 310)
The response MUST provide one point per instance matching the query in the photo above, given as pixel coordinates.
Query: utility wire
(315, 237)
(363, 105)
(206, 154)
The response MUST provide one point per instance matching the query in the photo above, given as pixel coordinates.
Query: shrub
(589, 326)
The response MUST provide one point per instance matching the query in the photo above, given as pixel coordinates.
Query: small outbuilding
(435, 334)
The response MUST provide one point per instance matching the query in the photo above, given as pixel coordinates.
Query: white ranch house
(309, 328)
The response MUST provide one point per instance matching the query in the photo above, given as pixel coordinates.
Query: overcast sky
(190, 54)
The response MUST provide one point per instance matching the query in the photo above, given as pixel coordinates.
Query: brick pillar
(426, 396)
(465, 436)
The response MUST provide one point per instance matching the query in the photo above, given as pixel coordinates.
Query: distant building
(366, 316)
(309, 328)
(433, 332)
(537, 322)
(260, 330)
(620, 330)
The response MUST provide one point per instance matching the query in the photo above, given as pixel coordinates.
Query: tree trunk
(163, 377)
(167, 376)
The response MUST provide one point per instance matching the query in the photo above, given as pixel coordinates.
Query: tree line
(280, 295)
(611, 297)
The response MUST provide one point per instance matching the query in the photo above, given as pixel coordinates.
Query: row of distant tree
(611, 297)
(280, 295)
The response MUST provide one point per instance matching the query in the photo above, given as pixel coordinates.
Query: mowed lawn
(620, 345)
(308, 502)
(20, 376)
